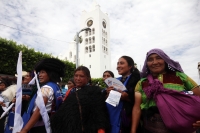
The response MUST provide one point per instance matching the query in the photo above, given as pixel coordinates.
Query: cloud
(135, 26)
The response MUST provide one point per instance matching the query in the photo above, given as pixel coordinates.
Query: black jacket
(83, 111)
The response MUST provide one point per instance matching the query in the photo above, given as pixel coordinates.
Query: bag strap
(57, 97)
(31, 105)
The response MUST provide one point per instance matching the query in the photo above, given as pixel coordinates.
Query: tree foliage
(9, 51)
(99, 82)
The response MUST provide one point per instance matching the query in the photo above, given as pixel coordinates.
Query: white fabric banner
(6, 110)
(18, 122)
(32, 82)
(40, 104)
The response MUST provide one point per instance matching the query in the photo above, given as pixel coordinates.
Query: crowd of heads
(51, 70)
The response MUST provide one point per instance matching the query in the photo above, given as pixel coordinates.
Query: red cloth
(101, 131)
(67, 93)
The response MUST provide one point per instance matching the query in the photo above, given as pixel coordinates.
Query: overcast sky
(136, 27)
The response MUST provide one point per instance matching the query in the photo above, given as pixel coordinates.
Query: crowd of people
(151, 103)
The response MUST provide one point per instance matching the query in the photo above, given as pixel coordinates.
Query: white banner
(18, 121)
(40, 104)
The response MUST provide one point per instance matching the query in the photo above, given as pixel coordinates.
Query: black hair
(110, 72)
(54, 68)
(4, 82)
(53, 76)
(130, 62)
(31, 73)
(51, 64)
(85, 70)
(72, 80)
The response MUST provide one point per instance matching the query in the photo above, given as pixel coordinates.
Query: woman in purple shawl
(159, 71)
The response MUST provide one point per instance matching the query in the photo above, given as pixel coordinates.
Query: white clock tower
(95, 47)
(94, 51)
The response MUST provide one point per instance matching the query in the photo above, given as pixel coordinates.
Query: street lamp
(78, 41)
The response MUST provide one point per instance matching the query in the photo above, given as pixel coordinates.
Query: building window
(86, 41)
(90, 66)
(86, 49)
(93, 48)
(103, 33)
(93, 39)
(93, 31)
(90, 40)
(89, 32)
(89, 55)
(90, 49)
(70, 54)
(86, 33)
(105, 67)
(106, 34)
(74, 58)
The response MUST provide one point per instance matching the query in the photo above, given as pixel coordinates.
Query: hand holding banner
(115, 83)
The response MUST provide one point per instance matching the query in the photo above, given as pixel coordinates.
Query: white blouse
(48, 92)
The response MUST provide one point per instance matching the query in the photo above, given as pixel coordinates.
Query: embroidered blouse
(171, 80)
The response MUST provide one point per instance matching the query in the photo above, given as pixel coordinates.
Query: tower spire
(95, 5)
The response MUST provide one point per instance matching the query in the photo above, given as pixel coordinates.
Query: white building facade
(94, 51)
(198, 67)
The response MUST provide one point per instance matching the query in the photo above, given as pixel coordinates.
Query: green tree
(9, 51)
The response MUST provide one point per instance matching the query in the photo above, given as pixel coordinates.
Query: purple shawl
(178, 110)
(171, 63)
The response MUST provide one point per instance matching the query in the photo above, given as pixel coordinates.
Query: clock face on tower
(89, 23)
(104, 24)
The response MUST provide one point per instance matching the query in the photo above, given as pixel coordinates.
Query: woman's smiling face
(43, 76)
(106, 75)
(123, 68)
(156, 64)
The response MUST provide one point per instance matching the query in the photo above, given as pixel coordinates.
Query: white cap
(24, 73)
